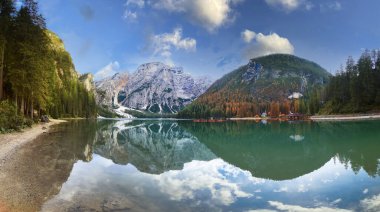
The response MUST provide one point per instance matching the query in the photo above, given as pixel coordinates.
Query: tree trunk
(22, 106)
(2, 70)
(39, 111)
(26, 106)
(16, 104)
(31, 109)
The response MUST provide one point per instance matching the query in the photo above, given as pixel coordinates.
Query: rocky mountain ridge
(159, 88)
(153, 88)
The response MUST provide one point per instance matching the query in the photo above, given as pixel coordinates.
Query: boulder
(45, 119)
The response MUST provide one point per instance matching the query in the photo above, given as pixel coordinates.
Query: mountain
(108, 88)
(252, 88)
(71, 94)
(106, 95)
(159, 88)
(154, 89)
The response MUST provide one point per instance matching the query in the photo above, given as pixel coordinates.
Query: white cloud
(130, 16)
(288, 5)
(170, 5)
(309, 6)
(371, 204)
(211, 14)
(163, 44)
(248, 35)
(219, 183)
(297, 208)
(200, 175)
(302, 188)
(268, 44)
(336, 201)
(297, 137)
(336, 5)
(282, 189)
(136, 3)
(365, 191)
(107, 71)
(291, 5)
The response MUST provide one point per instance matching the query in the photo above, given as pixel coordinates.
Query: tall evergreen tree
(357, 88)
(365, 67)
(6, 17)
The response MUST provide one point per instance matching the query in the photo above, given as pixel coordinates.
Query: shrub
(9, 120)
(29, 122)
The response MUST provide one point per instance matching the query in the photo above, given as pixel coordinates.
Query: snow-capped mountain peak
(159, 88)
(153, 87)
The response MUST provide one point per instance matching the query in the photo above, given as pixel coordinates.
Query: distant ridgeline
(37, 75)
(265, 84)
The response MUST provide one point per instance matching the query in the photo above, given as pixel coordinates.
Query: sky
(210, 37)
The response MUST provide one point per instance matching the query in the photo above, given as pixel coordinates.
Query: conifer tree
(6, 18)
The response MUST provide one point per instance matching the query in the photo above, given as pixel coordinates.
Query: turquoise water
(231, 166)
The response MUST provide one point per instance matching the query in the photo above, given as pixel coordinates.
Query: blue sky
(210, 37)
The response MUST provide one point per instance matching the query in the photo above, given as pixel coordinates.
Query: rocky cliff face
(88, 82)
(65, 67)
(107, 90)
(253, 71)
(158, 88)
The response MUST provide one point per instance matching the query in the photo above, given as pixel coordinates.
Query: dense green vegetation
(278, 75)
(355, 88)
(37, 75)
(9, 120)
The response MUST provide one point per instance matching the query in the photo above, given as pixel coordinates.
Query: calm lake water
(158, 165)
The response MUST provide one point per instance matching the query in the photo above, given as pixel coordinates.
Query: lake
(162, 165)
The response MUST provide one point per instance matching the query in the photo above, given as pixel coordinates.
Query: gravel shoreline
(345, 117)
(13, 177)
(9, 143)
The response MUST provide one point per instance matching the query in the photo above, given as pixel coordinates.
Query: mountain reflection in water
(152, 147)
(267, 151)
(158, 165)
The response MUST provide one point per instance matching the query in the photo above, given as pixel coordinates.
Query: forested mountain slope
(37, 75)
(263, 83)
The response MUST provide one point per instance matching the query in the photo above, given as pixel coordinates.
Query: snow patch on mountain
(107, 92)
